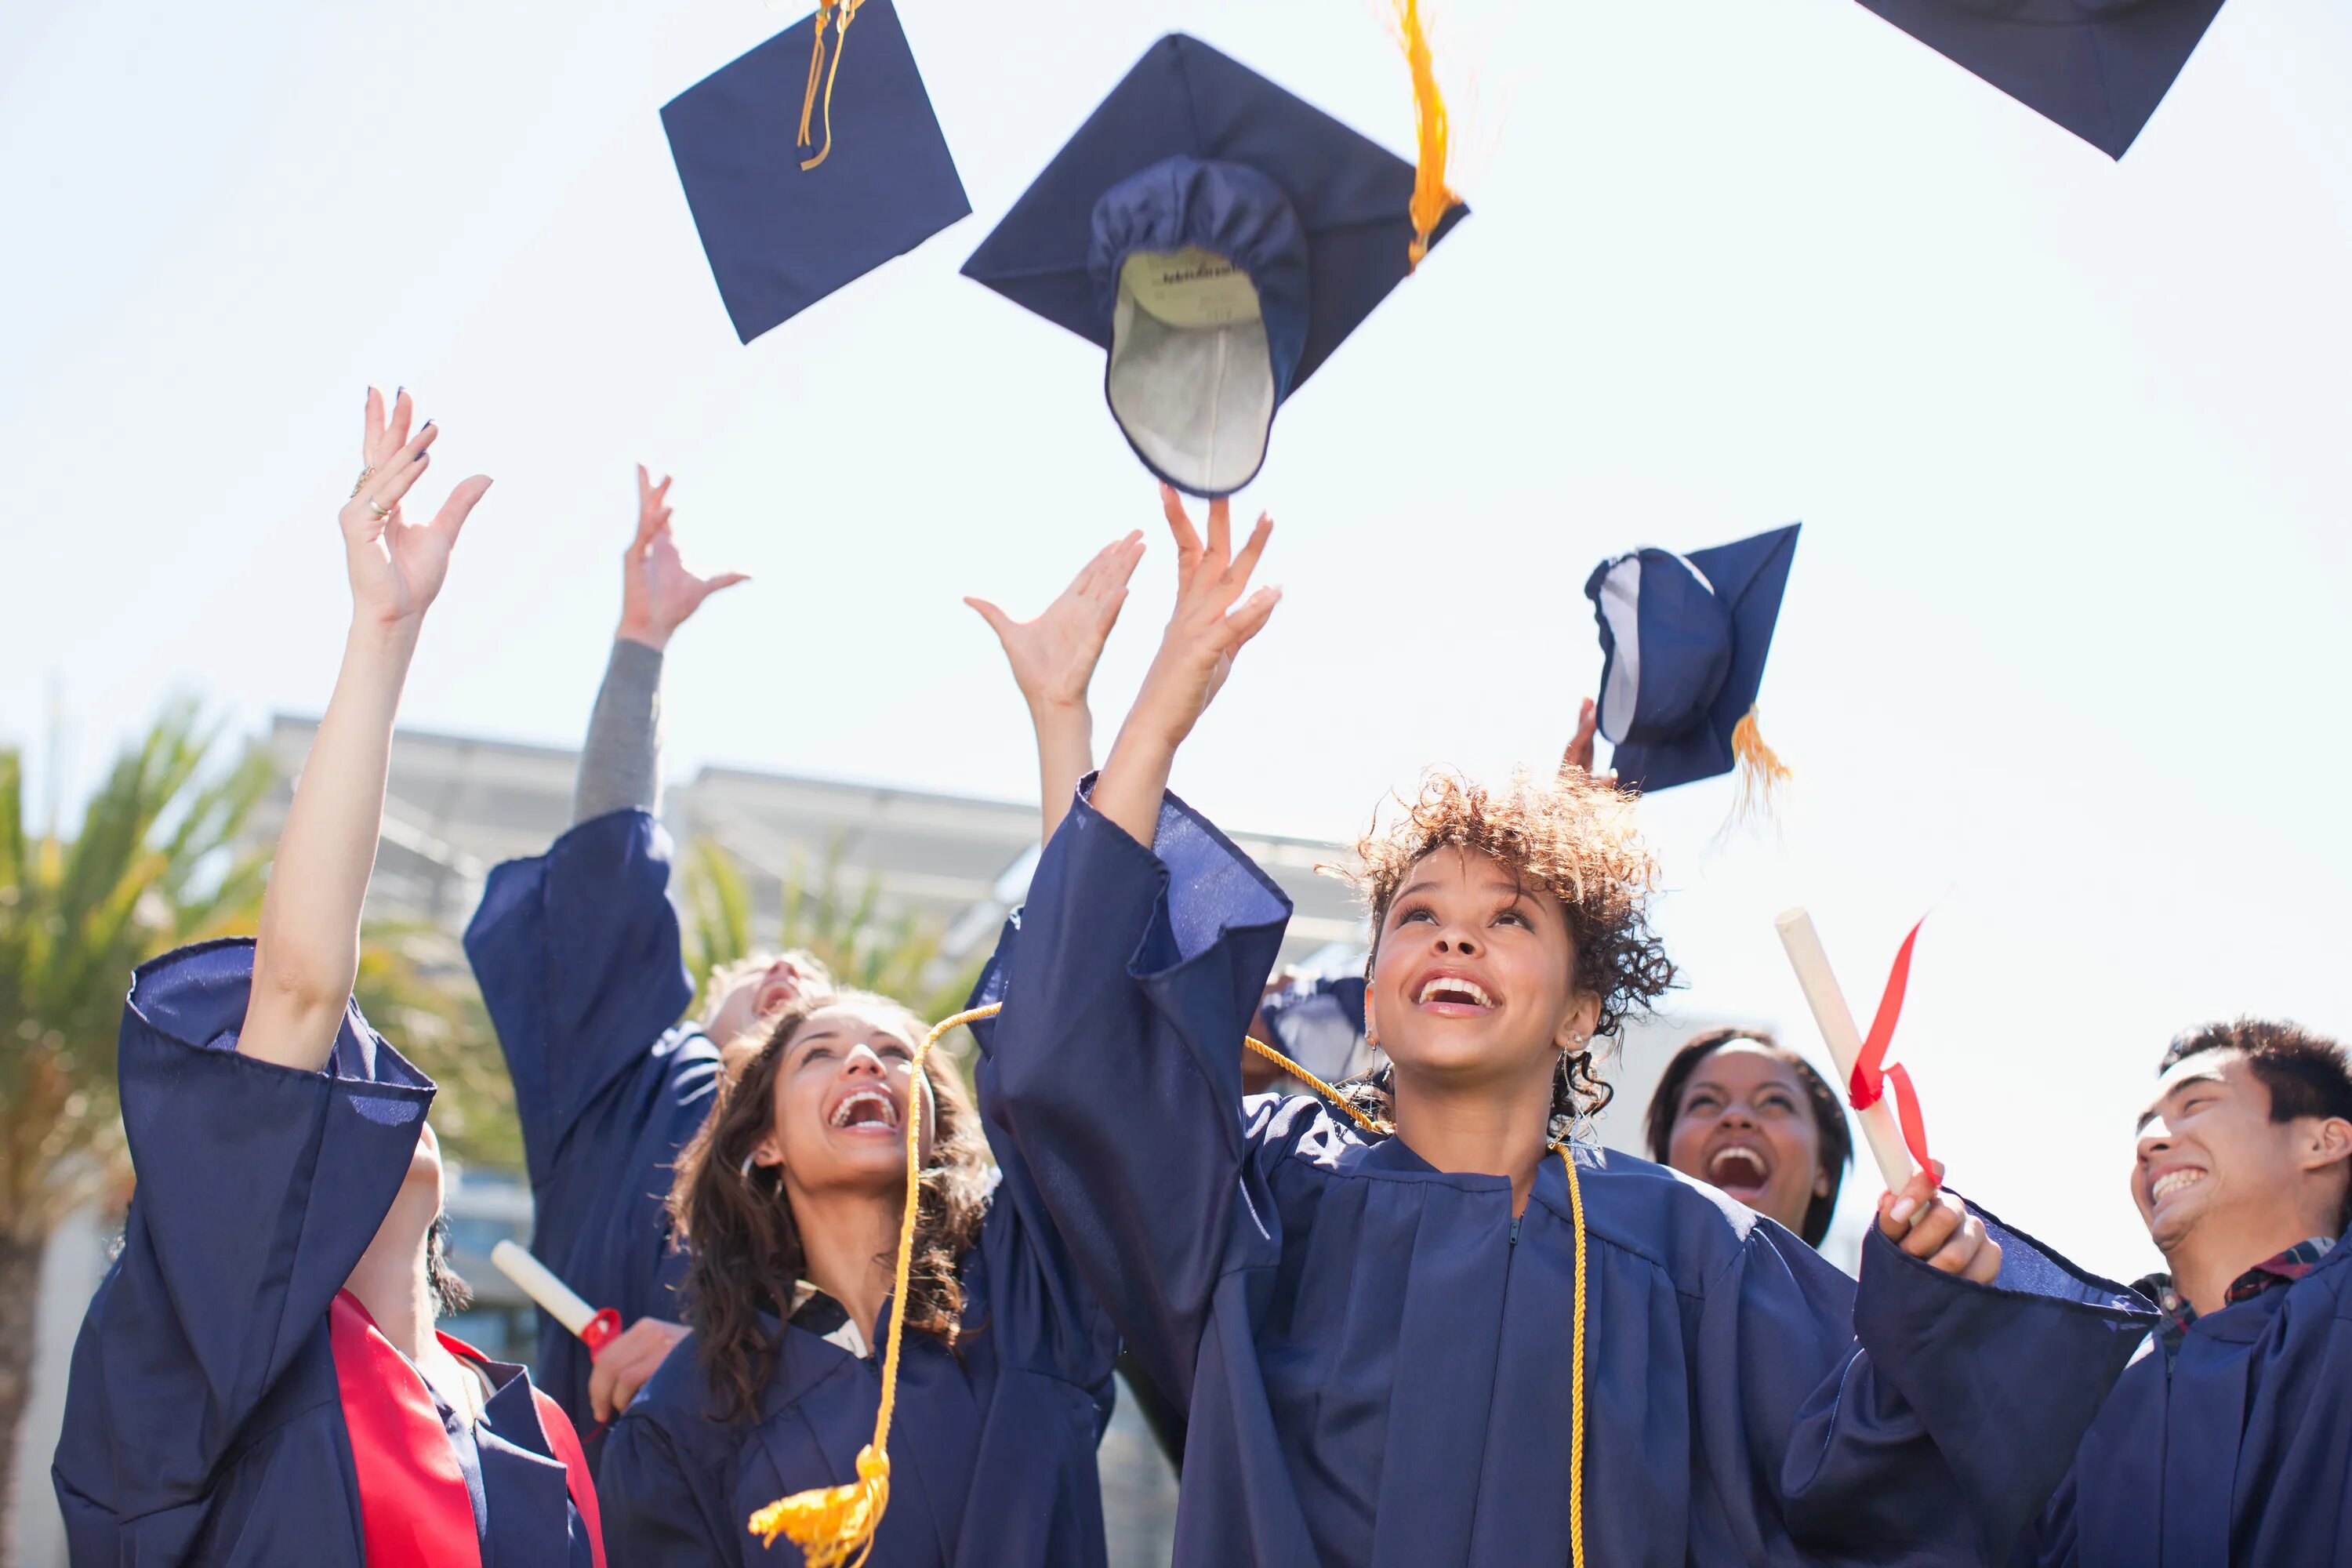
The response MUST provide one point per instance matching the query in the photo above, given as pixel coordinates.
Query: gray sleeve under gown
(1375, 1358)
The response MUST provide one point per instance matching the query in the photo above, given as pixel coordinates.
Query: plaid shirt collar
(2273, 1273)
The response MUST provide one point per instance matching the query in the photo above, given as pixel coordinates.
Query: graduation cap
(1683, 640)
(1219, 237)
(807, 167)
(2098, 68)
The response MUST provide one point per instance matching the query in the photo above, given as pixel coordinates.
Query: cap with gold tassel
(1432, 197)
(834, 1526)
(1684, 640)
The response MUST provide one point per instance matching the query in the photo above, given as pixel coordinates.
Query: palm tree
(155, 863)
(899, 956)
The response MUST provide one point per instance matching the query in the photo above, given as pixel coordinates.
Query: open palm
(397, 566)
(1054, 655)
(657, 593)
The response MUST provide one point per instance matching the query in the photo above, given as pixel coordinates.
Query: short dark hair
(2307, 1074)
(1835, 1139)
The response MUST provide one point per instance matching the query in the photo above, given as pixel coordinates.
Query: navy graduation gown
(991, 1450)
(2235, 1448)
(578, 955)
(1372, 1353)
(204, 1417)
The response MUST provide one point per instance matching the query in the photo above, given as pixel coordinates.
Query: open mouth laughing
(866, 1110)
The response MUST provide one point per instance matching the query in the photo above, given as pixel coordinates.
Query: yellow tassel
(1430, 198)
(843, 12)
(834, 1526)
(1762, 774)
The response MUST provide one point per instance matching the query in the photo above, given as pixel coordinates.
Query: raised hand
(1580, 745)
(1932, 1224)
(1212, 623)
(658, 594)
(1052, 657)
(397, 566)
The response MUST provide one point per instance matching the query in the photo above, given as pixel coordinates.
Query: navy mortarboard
(1219, 237)
(1684, 639)
(808, 165)
(2098, 68)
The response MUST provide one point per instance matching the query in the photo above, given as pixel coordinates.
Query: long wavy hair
(735, 1222)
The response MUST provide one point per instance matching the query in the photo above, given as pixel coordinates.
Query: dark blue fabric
(1704, 688)
(203, 1421)
(1226, 208)
(578, 955)
(991, 1450)
(2233, 1451)
(1184, 100)
(1373, 1356)
(781, 238)
(2099, 68)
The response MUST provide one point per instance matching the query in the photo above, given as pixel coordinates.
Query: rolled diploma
(562, 1303)
(1844, 1041)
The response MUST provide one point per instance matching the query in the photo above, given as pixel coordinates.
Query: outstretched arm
(1211, 624)
(619, 766)
(1052, 658)
(1578, 754)
(307, 953)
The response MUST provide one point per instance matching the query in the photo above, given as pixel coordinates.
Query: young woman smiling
(1412, 1330)
(1749, 1117)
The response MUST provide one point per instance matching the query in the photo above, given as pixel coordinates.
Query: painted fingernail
(1902, 1210)
(418, 459)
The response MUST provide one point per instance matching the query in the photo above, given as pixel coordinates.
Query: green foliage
(154, 864)
(415, 987)
(843, 926)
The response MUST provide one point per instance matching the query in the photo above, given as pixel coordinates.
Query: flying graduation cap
(1218, 237)
(1683, 640)
(2098, 68)
(808, 164)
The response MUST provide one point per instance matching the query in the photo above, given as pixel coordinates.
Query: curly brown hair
(735, 1223)
(1573, 837)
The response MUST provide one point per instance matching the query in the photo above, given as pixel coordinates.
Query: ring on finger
(365, 474)
(378, 508)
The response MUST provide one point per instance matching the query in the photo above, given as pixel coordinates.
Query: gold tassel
(842, 12)
(1430, 198)
(1762, 774)
(834, 1526)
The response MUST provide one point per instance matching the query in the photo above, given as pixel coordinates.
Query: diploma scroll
(1838, 1032)
(593, 1327)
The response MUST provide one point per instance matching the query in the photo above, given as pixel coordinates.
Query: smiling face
(839, 1105)
(759, 993)
(1744, 1124)
(2209, 1155)
(1474, 982)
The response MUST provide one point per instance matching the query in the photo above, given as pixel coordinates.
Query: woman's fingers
(1935, 1226)
(397, 472)
(1250, 619)
(1180, 524)
(371, 439)
(460, 505)
(1985, 1267)
(395, 429)
(1221, 528)
(1247, 561)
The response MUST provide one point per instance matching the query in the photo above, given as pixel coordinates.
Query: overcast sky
(2063, 649)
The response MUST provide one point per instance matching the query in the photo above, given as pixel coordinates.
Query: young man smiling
(2225, 1440)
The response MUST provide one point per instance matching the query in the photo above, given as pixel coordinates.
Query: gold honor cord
(842, 12)
(834, 1526)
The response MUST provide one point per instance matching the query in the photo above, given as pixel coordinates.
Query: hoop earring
(745, 1170)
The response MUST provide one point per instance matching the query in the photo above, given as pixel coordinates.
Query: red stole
(414, 1510)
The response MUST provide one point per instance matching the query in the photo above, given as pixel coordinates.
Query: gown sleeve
(1116, 1066)
(656, 1515)
(1948, 1418)
(580, 961)
(258, 1188)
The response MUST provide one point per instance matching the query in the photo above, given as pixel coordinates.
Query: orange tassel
(1762, 774)
(843, 12)
(1430, 198)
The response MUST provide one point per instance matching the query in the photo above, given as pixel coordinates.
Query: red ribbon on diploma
(1872, 1078)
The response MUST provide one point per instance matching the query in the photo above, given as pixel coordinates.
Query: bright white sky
(2071, 441)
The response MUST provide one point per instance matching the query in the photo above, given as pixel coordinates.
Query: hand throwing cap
(1683, 638)
(2098, 68)
(812, 160)
(1219, 237)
